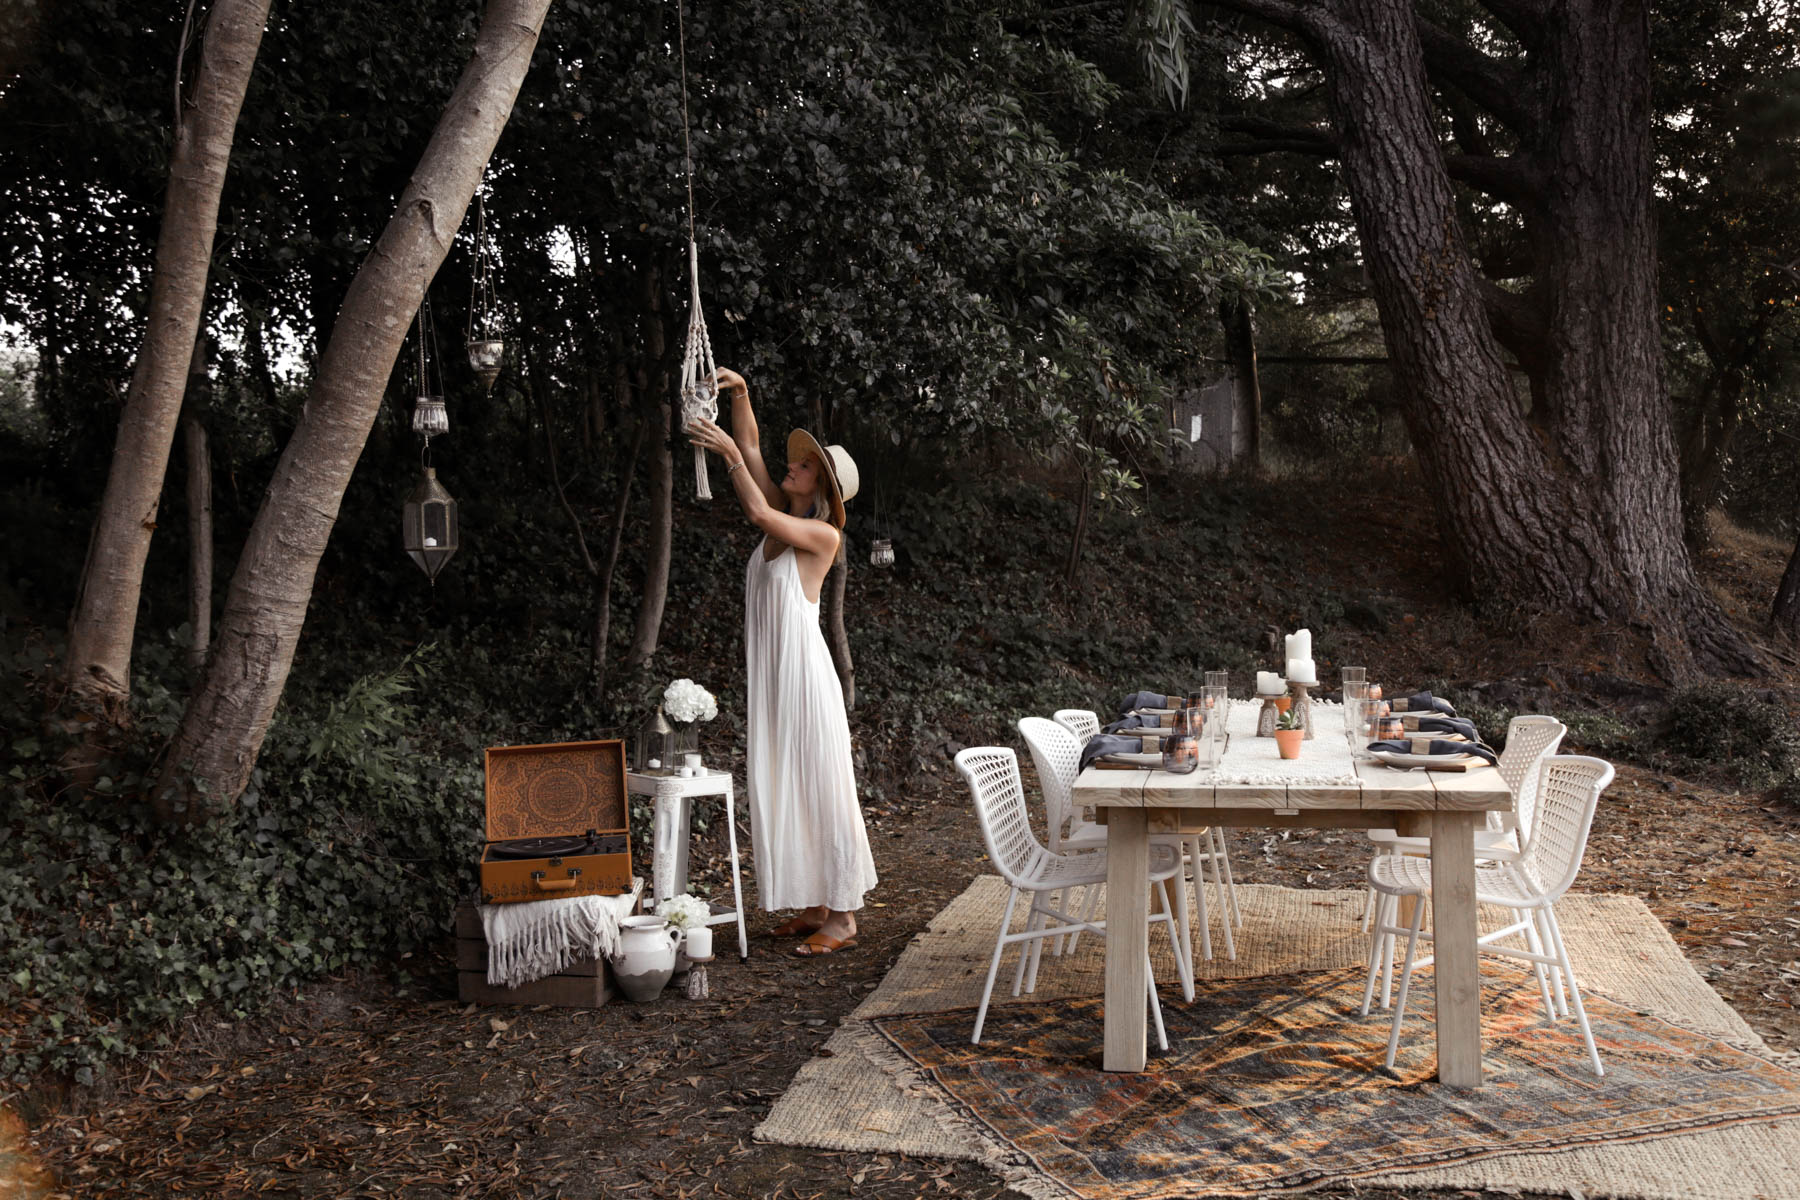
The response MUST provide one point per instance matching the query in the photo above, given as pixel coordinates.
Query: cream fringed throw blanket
(540, 937)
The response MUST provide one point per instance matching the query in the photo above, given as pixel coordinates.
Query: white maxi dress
(806, 826)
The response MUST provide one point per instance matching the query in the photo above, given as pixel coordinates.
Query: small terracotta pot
(1283, 703)
(1288, 742)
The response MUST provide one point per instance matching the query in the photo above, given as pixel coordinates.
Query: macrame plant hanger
(699, 382)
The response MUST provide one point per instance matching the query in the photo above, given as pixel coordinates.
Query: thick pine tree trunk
(104, 622)
(1785, 615)
(200, 511)
(659, 412)
(1588, 519)
(1246, 385)
(223, 728)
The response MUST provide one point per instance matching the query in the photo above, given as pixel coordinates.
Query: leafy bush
(1728, 726)
(346, 846)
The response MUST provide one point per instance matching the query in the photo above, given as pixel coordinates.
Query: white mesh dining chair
(1031, 870)
(1057, 756)
(1529, 740)
(1205, 851)
(1529, 881)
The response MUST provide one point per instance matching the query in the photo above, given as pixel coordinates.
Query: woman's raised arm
(745, 433)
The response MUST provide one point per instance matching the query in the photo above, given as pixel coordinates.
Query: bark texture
(223, 728)
(200, 508)
(1246, 384)
(1785, 616)
(104, 622)
(1575, 506)
(836, 636)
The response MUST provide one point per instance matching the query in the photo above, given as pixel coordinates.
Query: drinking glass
(1356, 696)
(1181, 749)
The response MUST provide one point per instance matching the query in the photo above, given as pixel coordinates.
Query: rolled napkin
(1448, 725)
(1102, 744)
(1137, 700)
(1434, 746)
(1422, 702)
(1135, 721)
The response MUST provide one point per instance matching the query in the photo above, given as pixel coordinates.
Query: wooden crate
(579, 985)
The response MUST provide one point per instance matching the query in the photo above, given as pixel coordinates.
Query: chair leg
(1231, 901)
(1412, 949)
(1058, 902)
(1377, 942)
(1201, 914)
(987, 992)
(1558, 984)
(1162, 1035)
(1562, 954)
(1178, 938)
(1535, 944)
(1090, 904)
(1034, 920)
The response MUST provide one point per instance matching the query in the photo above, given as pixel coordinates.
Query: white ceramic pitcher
(646, 956)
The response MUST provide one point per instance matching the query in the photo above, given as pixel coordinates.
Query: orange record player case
(572, 790)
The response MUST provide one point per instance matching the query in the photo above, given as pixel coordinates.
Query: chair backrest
(1569, 787)
(1528, 740)
(1057, 756)
(993, 776)
(1082, 722)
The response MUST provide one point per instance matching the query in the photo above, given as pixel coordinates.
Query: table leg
(1458, 962)
(1127, 937)
(737, 886)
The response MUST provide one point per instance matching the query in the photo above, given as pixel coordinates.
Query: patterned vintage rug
(1274, 1083)
(1565, 1136)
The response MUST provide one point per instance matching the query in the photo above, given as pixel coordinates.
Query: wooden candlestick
(1265, 721)
(1302, 706)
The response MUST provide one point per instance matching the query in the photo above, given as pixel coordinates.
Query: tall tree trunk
(222, 730)
(1246, 385)
(1785, 615)
(609, 568)
(1078, 537)
(1587, 520)
(659, 413)
(105, 617)
(1704, 452)
(200, 512)
(836, 636)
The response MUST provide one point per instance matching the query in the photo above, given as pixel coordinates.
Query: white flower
(684, 911)
(685, 701)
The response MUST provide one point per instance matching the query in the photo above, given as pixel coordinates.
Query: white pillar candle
(699, 942)
(1301, 644)
(1268, 683)
(1301, 670)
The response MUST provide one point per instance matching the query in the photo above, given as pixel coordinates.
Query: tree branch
(1524, 19)
(1507, 179)
(1497, 87)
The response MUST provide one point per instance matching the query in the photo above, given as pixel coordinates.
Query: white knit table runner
(1324, 759)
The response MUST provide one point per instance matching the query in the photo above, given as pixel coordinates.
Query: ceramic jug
(646, 956)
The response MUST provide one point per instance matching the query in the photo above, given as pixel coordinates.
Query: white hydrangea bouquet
(686, 701)
(684, 911)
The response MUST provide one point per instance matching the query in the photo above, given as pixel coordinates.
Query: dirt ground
(379, 1086)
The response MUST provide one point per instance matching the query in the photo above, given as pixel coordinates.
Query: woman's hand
(730, 381)
(708, 436)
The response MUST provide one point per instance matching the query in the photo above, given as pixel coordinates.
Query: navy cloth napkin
(1102, 744)
(1422, 702)
(1438, 746)
(1449, 725)
(1133, 722)
(1137, 700)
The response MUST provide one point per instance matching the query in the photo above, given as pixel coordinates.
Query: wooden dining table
(1446, 807)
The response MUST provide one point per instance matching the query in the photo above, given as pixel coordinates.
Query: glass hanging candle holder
(881, 554)
(486, 348)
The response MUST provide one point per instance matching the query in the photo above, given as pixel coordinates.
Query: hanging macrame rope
(699, 384)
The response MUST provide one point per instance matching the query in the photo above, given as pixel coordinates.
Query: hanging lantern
(430, 417)
(487, 350)
(882, 555)
(430, 519)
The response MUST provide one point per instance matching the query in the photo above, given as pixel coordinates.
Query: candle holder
(1265, 721)
(698, 986)
(1302, 706)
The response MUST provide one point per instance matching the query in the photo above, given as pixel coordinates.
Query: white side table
(674, 796)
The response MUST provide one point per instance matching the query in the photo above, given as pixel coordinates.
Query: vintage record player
(557, 822)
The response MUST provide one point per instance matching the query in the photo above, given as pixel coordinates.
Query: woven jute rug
(1297, 948)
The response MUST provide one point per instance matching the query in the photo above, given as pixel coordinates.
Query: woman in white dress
(806, 826)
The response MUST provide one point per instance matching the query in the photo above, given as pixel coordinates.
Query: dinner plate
(1393, 759)
(1151, 758)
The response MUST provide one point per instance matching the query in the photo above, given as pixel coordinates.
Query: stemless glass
(1181, 748)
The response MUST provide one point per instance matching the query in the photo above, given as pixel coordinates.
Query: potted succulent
(1289, 733)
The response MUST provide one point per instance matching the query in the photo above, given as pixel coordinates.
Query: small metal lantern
(882, 555)
(430, 518)
(430, 417)
(655, 737)
(485, 357)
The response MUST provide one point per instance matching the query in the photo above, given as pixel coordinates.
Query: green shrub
(1728, 726)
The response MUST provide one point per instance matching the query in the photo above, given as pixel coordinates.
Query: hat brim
(800, 445)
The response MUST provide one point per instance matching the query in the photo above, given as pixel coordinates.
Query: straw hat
(840, 469)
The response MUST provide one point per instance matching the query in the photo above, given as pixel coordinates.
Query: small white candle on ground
(699, 942)
(1301, 670)
(1268, 683)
